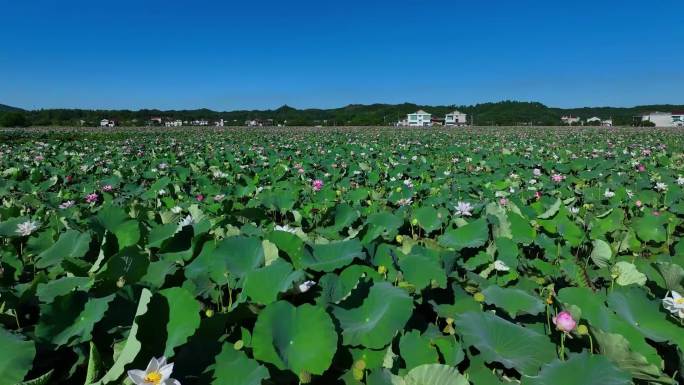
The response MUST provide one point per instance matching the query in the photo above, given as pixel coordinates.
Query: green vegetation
(342, 256)
(507, 113)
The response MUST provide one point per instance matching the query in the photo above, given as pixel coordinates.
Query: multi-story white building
(456, 118)
(419, 119)
(662, 119)
(107, 123)
(570, 120)
(174, 123)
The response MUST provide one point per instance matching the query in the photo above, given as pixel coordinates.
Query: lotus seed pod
(382, 269)
(479, 297)
(399, 239)
(209, 313)
(583, 330)
(358, 374)
(414, 221)
(120, 282)
(304, 377)
(398, 189)
(239, 344)
(360, 364)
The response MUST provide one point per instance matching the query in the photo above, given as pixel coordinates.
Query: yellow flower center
(153, 378)
(679, 301)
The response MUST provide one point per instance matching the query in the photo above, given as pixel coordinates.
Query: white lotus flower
(158, 372)
(680, 180)
(608, 194)
(660, 186)
(464, 209)
(25, 229)
(286, 229)
(501, 266)
(304, 287)
(574, 210)
(187, 221)
(674, 304)
(176, 209)
(66, 205)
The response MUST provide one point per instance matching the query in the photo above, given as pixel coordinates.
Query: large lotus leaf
(514, 301)
(431, 374)
(521, 230)
(421, 268)
(601, 253)
(236, 255)
(501, 341)
(672, 274)
(428, 219)
(16, 359)
(263, 285)
(71, 318)
(345, 215)
(184, 317)
(417, 350)
(375, 323)
(161, 233)
(582, 369)
(384, 223)
(71, 244)
(616, 348)
(551, 211)
(132, 345)
(47, 292)
(233, 367)
(627, 274)
(473, 234)
(595, 311)
(332, 256)
(501, 226)
(291, 244)
(116, 220)
(335, 288)
(634, 307)
(572, 233)
(302, 339)
(650, 228)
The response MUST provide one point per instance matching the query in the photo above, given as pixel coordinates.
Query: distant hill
(484, 114)
(4, 107)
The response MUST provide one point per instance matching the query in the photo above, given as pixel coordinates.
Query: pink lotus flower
(91, 198)
(39, 158)
(503, 201)
(537, 195)
(199, 197)
(564, 322)
(107, 188)
(641, 168)
(557, 178)
(317, 185)
(638, 203)
(656, 213)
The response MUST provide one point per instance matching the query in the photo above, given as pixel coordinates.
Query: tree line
(505, 113)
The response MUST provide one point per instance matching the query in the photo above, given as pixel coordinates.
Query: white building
(607, 123)
(456, 118)
(219, 123)
(678, 118)
(570, 120)
(174, 123)
(660, 119)
(107, 123)
(594, 120)
(419, 119)
(200, 122)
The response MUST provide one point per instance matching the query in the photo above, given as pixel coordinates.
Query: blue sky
(228, 55)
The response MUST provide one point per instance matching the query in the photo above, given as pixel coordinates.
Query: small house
(455, 118)
(419, 119)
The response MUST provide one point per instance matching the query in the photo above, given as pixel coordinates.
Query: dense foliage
(485, 114)
(347, 256)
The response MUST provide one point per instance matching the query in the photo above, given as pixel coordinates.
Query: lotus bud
(583, 330)
(399, 239)
(209, 313)
(382, 269)
(564, 322)
(414, 221)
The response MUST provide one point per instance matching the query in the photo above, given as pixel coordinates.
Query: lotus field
(380, 257)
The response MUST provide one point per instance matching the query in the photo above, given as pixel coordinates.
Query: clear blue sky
(229, 55)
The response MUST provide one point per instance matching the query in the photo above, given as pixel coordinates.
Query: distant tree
(13, 119)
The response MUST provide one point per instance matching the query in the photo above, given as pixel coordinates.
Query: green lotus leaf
(650, 228)
(582, 369)
(551, 211)
(291, 244)
(184, 317)
(601, 253)
(236, 255)
(375, 323)
(301, 339)
(71, 244)
(17, 358)
(432, 374)
(521, 230)
(421, 267)
(8, 228)
(417, 350)
(616, 348)
(233, 367)
(501, 341)
(262, 285)
(161, 233)
(345, 215)
(473, 234)
(70, 319)
(47, 292)
(116, 220)
(332, 256)
(335, 288)
(428, 219)
(514, 301)
(627, 274)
